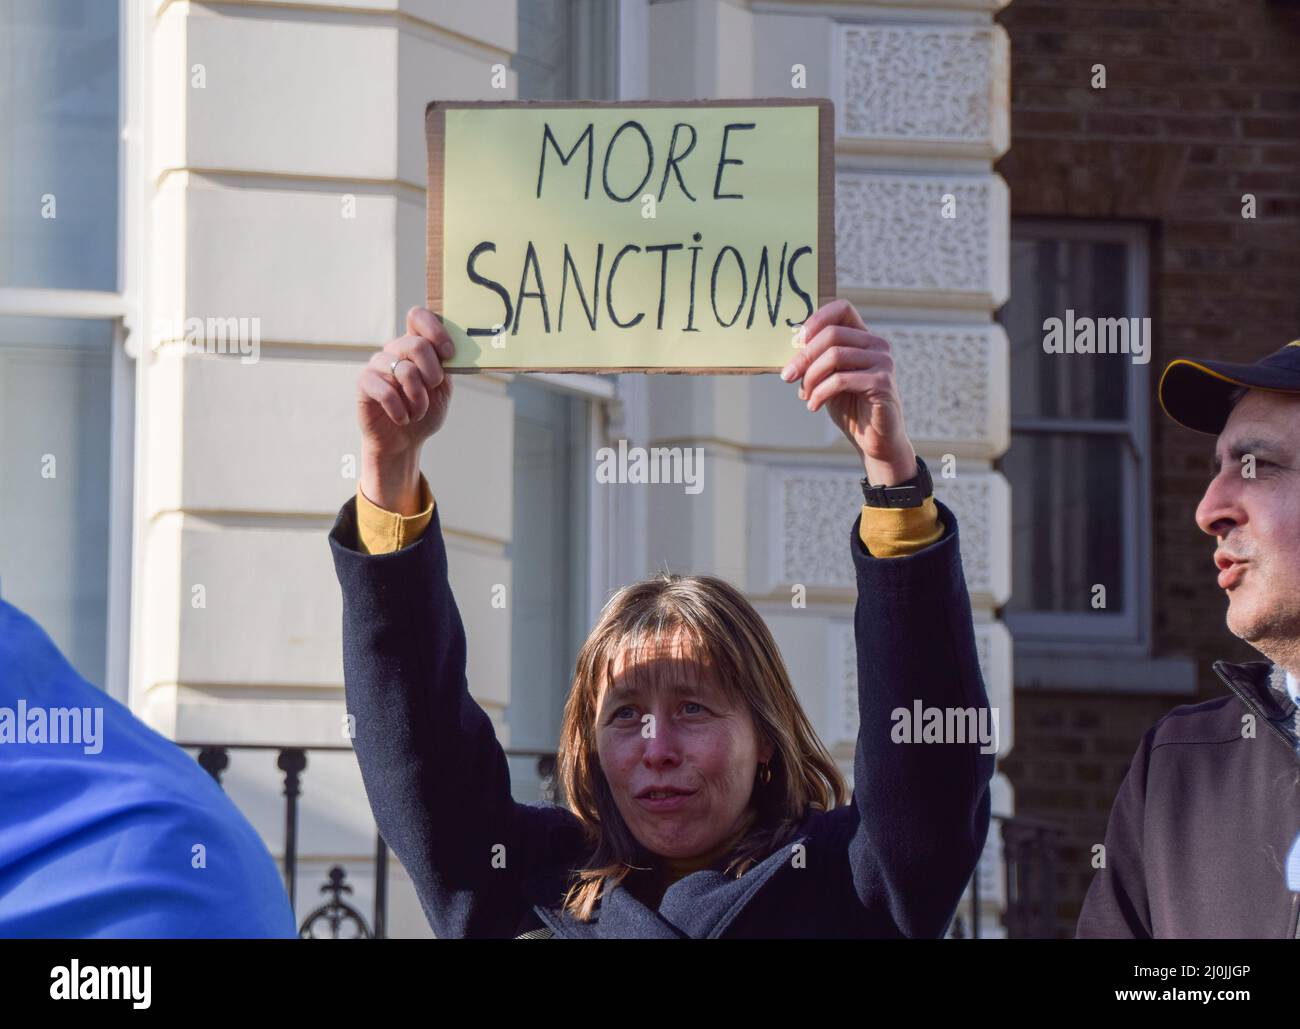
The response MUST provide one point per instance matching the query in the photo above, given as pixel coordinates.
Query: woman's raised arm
(921, 803)
(435, 774)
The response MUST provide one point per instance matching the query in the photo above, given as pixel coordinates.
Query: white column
(286, 189)
(922, 111)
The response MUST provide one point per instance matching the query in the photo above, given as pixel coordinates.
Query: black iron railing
(1029, 859)
(1030, 876)
(338, 918)
(1028, 850)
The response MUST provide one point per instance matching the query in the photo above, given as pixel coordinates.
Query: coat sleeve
(435, 774)
(922, 809)
(1116, 905)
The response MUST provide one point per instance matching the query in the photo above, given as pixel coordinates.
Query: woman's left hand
(850, 372)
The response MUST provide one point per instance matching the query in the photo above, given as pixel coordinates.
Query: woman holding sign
(700, 802)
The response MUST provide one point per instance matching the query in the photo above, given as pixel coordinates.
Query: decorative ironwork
(1029, 864)
(214, 758)
(292, 762)
(336, 913)
(214, 761)
(1029, 855)
(1029, 860)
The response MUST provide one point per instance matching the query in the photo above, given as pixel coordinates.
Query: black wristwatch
(911, 493)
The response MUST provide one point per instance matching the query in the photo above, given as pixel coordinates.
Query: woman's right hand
(397, 411)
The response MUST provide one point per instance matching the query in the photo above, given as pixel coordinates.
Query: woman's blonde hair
(716, 629)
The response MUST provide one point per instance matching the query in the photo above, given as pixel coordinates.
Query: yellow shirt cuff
(899, 531)
(383, 532)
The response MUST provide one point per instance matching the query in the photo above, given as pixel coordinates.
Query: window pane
(1049, 277)
(568, 50)
(55, 378)
(59, 143)
(542, 61)
(548, 567)
(1067, 521)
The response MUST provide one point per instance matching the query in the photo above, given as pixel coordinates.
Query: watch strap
(912, 493)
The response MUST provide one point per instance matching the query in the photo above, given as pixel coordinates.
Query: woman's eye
(690, 704)
(621, 711)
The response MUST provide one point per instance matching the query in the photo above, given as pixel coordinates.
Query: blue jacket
(894, 862)
(97, 838)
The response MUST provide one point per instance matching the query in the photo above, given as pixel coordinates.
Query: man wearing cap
(1204, 836)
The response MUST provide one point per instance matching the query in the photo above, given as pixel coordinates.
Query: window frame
(1126, 634)
(121, 307)
(613, 518)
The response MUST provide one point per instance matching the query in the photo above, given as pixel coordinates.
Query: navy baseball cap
(1198, 394)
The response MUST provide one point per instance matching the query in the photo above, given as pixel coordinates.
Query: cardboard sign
(640, 236)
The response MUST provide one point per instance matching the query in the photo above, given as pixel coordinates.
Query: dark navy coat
(892, 863)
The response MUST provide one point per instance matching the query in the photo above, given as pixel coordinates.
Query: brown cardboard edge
(826, 281)
(435, 124)
(607, 370)
(767, 101)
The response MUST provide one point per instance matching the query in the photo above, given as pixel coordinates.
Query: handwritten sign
(639, 236)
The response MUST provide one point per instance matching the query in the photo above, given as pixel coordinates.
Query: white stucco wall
(241, 467)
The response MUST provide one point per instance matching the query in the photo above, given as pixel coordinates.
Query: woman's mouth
(665, 799)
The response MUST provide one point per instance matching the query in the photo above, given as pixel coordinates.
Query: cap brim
(1198, 394)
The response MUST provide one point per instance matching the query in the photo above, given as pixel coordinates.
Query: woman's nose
(661, 743)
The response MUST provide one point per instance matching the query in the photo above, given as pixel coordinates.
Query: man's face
(1257, 520)
(696, 741)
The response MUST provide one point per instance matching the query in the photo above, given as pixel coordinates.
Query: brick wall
(1201, 105)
